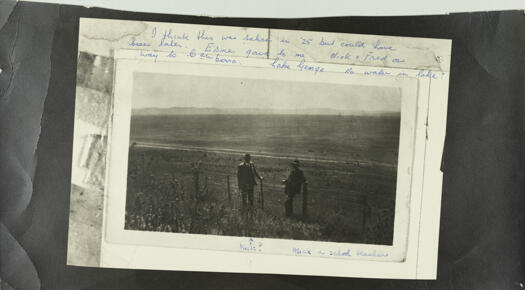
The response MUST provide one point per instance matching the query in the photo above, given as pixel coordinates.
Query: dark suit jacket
(246, 174)
(294, 182)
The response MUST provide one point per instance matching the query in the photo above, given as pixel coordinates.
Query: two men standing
(246, 180)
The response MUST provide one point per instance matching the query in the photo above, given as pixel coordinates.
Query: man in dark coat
(292, 186)
(246, 174)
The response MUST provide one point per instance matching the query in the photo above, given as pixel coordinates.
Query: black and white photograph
(261, 145)
(263, 158)
(259, 151)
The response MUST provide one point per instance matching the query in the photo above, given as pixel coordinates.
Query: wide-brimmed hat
(296, 163)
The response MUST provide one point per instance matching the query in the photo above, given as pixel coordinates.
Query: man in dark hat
(246, 174)
(293, 185)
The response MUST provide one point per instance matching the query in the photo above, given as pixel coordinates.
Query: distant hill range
(254, 111)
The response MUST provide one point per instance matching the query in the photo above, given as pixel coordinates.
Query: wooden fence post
(229, 192)
(262, 196)
(206, 184)
(305, 200)
(196, 176)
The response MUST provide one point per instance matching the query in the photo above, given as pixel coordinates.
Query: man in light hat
(246, 174)
(292, 186)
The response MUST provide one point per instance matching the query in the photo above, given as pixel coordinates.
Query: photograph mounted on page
(296, 146)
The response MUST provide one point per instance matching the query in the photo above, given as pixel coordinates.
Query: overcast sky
(167, 90)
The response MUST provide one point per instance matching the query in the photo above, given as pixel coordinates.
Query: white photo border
(415, 93)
